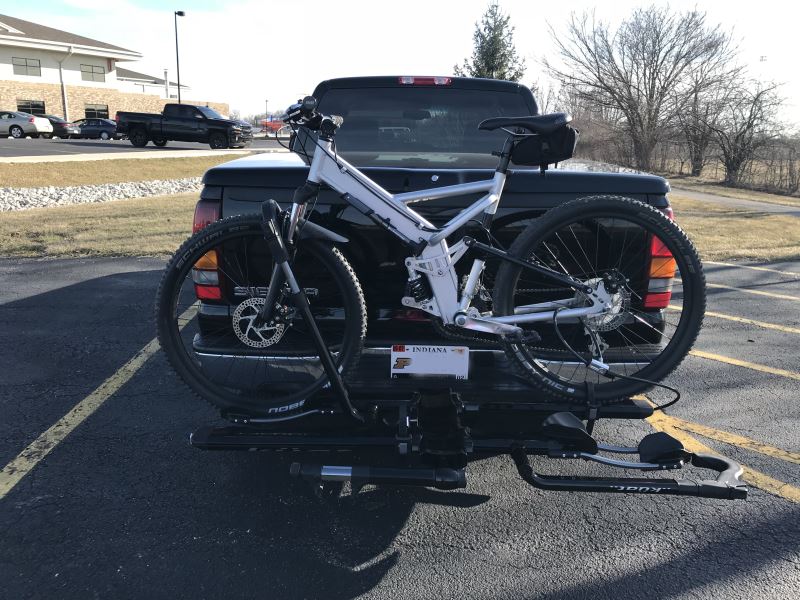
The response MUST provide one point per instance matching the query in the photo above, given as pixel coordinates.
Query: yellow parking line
(756, 292)
(746, 364)
(667, 424)
(747, 321)
(26, 460)
(754, 268)
(737, 440)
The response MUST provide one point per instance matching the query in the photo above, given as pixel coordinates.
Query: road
(10, 148)
(124, 508)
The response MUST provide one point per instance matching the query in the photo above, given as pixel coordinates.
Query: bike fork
(300, 300)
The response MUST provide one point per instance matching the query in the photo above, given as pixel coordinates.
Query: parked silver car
(20, 124)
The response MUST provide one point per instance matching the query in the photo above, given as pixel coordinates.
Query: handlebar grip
(309, 105)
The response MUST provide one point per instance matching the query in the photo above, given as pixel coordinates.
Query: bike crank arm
(543, 271)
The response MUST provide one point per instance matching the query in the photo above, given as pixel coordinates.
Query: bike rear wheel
(657, 308)
(206, 308)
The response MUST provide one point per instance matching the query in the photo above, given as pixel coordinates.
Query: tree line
(659, 80)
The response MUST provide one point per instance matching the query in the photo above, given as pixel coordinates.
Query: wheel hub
(256, 336)
(618, 301)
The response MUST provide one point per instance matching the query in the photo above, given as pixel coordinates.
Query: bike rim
(275, 366)
(652, 307)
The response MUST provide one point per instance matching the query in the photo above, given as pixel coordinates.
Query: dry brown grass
(106, 171)
(723, 233)
(157, 226)
(153, 226)
(700, 185)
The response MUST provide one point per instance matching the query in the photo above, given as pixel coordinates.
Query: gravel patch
(42, 197)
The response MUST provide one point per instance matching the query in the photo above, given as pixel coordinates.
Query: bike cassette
(260, 336)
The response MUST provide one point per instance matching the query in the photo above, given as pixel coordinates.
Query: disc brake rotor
(615, 315)
(254, 336)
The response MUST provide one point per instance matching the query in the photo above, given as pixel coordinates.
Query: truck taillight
(204, 272)
(660, 271)
(205, 213)
(408, 80)
(205, 276)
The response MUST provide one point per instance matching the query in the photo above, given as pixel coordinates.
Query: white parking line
(37, 450)
(754, 292)
(752, 267)
(745, 320)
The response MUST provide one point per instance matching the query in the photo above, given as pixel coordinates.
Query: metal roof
(12, 28)
(134, 75)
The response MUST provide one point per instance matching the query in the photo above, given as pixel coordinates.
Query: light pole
(178, 13)
(266, 109)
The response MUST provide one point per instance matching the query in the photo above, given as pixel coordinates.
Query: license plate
(420, 360)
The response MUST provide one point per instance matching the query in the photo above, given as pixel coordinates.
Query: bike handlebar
(304, 112)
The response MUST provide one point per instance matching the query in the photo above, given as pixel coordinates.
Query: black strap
(592, 404)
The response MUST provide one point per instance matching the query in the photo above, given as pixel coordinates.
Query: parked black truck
(184, 123)
(411, 133)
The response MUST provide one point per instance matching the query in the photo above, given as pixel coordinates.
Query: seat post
(505, 155)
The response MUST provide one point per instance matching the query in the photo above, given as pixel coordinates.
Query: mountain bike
(601, 297)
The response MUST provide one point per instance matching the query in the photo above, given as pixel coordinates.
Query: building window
(93, 73)
(32, 107)
(27, 66)
(96, 111)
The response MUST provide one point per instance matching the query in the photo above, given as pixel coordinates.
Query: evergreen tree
(494, 55)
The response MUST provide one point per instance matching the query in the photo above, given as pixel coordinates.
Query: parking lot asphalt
(11, 148)
(124, 508)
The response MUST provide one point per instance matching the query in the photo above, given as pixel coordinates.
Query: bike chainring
(254, 336)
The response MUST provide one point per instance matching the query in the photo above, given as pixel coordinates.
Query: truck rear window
(419, 127)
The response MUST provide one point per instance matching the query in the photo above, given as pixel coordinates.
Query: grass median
(157, 226)
(153, 226)
(96, 172)
(724, 233)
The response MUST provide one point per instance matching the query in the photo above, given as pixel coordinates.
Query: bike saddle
(541, 124)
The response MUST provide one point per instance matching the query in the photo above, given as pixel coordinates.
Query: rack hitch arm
(728, 484)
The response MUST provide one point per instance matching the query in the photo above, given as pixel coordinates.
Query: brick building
(49, 71)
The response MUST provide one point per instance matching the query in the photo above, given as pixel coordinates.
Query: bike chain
(459, 334)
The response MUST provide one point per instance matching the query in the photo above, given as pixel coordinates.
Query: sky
(264, 53)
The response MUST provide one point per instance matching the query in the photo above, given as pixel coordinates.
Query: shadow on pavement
(734, 563)
(123, 507)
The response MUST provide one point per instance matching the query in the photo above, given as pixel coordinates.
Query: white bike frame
(437, 260)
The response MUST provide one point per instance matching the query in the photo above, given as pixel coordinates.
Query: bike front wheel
(207, 315)
(655, 307)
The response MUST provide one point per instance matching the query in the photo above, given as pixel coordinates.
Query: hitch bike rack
(426, 437)
(429, 439)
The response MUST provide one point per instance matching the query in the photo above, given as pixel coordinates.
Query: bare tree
(546, 95)
(494, 55)
(707, 94)
(747, 124)
(643, 69)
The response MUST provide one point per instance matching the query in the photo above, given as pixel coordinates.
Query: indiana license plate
(421, 360)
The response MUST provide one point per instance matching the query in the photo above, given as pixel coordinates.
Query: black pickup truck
(410, 133)
(184, 123)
